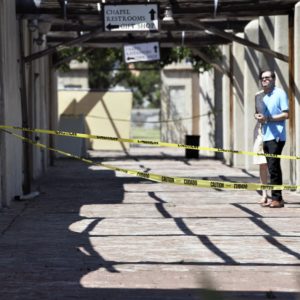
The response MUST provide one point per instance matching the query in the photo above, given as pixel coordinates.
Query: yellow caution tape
(144, 142)
(167, 179)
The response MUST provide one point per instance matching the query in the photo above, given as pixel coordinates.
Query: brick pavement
(96, 234)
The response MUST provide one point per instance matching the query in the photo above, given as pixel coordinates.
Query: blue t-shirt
(275, 103)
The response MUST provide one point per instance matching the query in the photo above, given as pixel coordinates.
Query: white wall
(207, 107)
(226, 111)
(38, 102)
(251, 86)
(12, 161)
(297, 84)
(179, 101)
(281, 44)
(10, 104)
(238, 101)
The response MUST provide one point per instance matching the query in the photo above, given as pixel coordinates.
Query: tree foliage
(145, 84)
(178, 54)
(107, 69)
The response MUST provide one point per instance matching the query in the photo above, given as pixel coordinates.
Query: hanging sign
(130, 17)
(141, 52)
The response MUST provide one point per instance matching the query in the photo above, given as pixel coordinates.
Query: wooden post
(27, 165)
(291, 95)
(231, 121)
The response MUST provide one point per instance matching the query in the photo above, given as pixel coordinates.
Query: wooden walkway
(96, 234)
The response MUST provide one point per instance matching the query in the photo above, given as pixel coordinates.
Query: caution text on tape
(167, 179)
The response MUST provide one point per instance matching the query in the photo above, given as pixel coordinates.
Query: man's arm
(280, 117)
(264, 119)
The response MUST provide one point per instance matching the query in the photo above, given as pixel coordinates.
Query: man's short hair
(272, 73)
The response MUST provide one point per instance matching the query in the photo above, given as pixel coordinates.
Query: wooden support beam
(208, 60)
(27, 147)
(242, 41)
(62, 46)
(69, 58)
(291, 95)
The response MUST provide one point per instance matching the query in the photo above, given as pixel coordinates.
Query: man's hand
(260, 118)
(264, 119)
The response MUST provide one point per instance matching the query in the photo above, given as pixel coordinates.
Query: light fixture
(215, 7)
(44, 26)
(39, 40)
(168, 15)
(37, 3)
(208, 32)
(27, 6)
(32, 25)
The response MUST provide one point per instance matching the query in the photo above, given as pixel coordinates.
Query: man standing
(275, 111)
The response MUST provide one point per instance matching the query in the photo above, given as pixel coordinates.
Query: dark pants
(274, 147)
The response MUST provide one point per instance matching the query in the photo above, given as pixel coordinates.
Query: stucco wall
(76, 78)
(226, 105)
(207, 108)
(39, 105)
(297, 89)
(180, 107)
(238, 58)
(14, 167)
(10, 105)
(103, 113)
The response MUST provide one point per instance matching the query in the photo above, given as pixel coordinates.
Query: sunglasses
(266, 78)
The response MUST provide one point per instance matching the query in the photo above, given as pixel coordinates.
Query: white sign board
(141, 52)
(130, 17)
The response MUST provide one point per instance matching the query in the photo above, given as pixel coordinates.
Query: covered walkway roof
(196, 18)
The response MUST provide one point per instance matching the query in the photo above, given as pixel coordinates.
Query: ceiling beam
(61, 46)
(242, 41)
(207, 59)
(237, 26)
(102, 41)
(69, 58)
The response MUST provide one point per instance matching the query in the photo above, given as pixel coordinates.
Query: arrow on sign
(110, 26)
(141, 52)
(152, 13)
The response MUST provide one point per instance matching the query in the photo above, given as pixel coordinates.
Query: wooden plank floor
(96, 234)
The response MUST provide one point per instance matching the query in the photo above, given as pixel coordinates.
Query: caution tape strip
(167, 179)
(144, 142)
